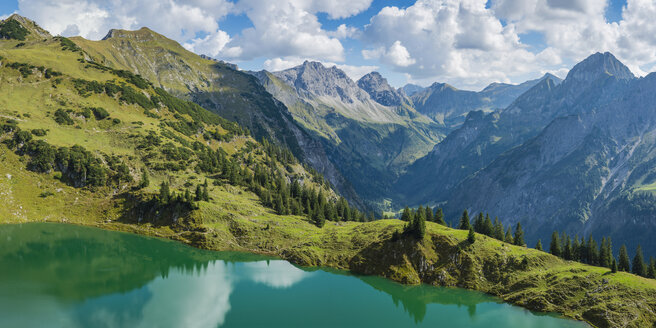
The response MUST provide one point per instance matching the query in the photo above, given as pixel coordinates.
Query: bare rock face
(380, 91)
(315, 79)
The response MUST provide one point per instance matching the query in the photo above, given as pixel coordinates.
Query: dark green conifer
(518, 239)
(638, 266)
(623, 263)
(538, 246)
(479, 222)
(406, 214)
(439, 217)
(464, 221)
(554, 247)
(488, 228)
(471, 237)
(509, 237)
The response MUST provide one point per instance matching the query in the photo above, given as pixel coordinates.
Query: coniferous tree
(206, 194)
(509, 237)
(164, 193)
(498, 230)
(487, 226)
(429, 214)
(518, 239)
(187, 196)
(593, 254)
(199, 193)
(609, 252)
(623, 263)
(567, 248)
(439, 217)
(613, 268)
(583, 251)
(479, 222)
(464, 221)
(575, 249)
(538, 246)
(554, 247)
(406, 214)
(651, 270)
(145, 181)
(638, 266)
(420, 225)
(471, 237)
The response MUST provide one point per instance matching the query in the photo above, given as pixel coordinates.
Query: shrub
(100, 113)
(62, 117)
(39, 132)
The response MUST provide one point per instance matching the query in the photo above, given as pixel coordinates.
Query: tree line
(600, 254)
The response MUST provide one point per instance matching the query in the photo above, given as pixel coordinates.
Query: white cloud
(179, 20)
(344, 32)
(460, 42)
(464, 43)
(290, 28)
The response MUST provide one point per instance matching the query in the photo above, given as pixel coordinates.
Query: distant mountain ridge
(450, 105)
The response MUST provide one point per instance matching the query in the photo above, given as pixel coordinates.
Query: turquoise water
(55, 275)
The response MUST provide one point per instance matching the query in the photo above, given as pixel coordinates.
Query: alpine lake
(61, 275)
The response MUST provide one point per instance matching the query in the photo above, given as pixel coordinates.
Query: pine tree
(487, 226)
(498, 230)
(479, 222)
(318, 217)
(199, 193)
(464, 221)
(187, 196)
(206, 195)
(613, 267)
(593, 255)
(471, 237)
(651, 270)
(538, 246)
(554, 248)
(623, 264)
(420, 225)
(567, 248)
(518, 239)
(429, 214)
(639, 263)
(145, 181)
(164, 193)
(406, 214)
(509, 237)
(439, 217)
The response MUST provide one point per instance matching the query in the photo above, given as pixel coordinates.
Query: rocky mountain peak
(379, 89)
(316, 79)
(599, 65)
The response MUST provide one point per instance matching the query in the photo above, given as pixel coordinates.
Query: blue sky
(468, 43)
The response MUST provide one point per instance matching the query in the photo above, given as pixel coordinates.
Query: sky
(466, 43)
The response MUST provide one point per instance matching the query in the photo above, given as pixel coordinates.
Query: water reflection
(68, 276)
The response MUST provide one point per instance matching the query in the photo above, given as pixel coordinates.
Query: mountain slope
(370, 143)
(216, 86)
(79, 139)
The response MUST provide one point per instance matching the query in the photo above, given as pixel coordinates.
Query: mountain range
(573, 155)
